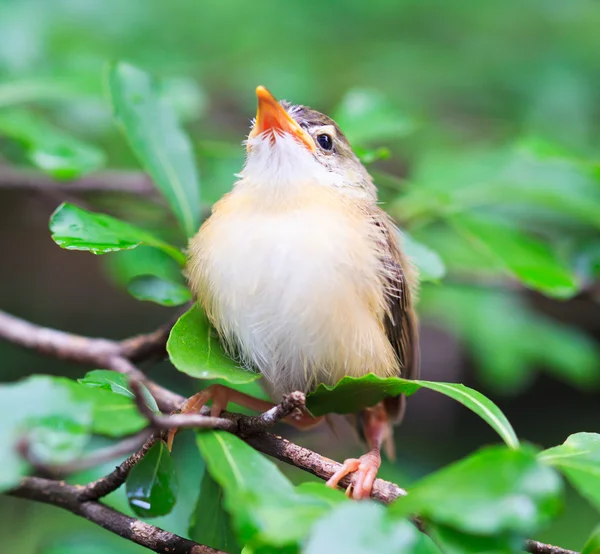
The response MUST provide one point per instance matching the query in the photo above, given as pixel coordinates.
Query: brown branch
(118, 355)
(71, 498)
(131, 182)
(95, 458)
(111, 482)
(535, 547)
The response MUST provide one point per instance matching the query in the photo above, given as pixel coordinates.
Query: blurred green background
(489, 114)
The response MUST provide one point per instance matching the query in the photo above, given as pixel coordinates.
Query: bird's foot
(365, 471)
(219, 396)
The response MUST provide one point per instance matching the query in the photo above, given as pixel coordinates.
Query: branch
(72, 499)
(535, 547)
(100, 456)
(131, 182)
(118, 356)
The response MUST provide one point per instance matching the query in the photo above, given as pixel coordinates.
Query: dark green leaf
(579, 459)
(50, 415)
(351, 394)
(151, 127)
(160, 291)
(430, 265)
(211, 524)
(48, 148)
(592, 545)
(152, 484)
(531, 261)
(194, 349)
(497, 490)
(265, 507)
(364, 528)
(366, 117)
(74, 228)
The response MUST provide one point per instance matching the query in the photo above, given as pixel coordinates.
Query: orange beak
(272, 117)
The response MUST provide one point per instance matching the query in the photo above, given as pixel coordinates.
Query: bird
(303, 275)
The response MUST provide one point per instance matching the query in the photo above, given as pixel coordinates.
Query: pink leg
(222, 395)
(377, 428)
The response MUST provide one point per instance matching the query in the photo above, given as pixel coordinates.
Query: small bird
(303, 277)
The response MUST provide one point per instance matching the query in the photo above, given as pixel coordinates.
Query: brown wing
(401, 322)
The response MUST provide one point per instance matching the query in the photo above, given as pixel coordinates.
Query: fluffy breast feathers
(306, 289)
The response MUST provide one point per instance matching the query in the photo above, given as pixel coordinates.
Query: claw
(219, 396)
(365, 471)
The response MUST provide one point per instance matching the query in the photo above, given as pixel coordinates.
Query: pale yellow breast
(297, 286)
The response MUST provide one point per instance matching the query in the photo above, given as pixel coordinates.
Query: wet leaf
(579, 459)
(74, 228)
(150, 124)
(497, 490)
(160, 291)
(194, 349)
(352, 394)
(152, 484)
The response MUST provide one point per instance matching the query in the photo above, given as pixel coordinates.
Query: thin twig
(535, 547)
(93, 459)
(69, 498)
(111, 482)
(131, 182)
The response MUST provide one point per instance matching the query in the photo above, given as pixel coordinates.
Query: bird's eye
(325, 142)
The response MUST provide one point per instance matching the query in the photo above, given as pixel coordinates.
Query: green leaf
(452, 541)
(150, 124)
(351, 394)
(592, 545)
(371, 155)
(152, 484)
(516, 342)
(50, 415)
(495, 491)
(117, 383)
(531, 261)
(579, 459)
(364, 528)
(428, 261)
(193, 349)
(160, 291)
(74, 228)
(265, 506)
(48, 148)
(366, 117)
(125, 265)
(211, 524)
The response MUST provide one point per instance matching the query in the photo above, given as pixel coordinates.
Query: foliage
(522, 211)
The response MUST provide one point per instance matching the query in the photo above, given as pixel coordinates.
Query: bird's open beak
(271, 116)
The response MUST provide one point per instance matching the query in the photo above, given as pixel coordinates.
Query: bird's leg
(221, 396)
(377, 428)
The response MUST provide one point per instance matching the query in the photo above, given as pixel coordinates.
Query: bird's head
(291, 145)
